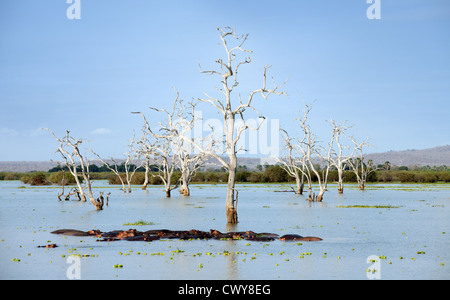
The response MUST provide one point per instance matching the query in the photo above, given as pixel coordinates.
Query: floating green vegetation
(367, 206)
(139, 223)
(177, 251)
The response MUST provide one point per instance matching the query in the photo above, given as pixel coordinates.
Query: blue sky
(390, 78)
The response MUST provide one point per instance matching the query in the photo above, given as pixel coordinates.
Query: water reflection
(420, 224)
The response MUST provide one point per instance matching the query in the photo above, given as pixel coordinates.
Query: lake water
(411, 241)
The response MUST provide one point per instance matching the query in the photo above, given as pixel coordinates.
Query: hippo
(71, 232)
(152, 235)
(296, 237)
(139, 238)
(260, 238)
(128, 233)
(311, 239)
(48, 246)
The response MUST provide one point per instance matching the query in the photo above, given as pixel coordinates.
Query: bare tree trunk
(145, 184)
(299, 181)
(362, 185)
(320, 196)
(184, 182)
(340, 181)
(231, 209)
(147, 169)
(302, 184)
(184, 190)
(84, 165)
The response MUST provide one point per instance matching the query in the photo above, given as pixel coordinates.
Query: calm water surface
(412, 239)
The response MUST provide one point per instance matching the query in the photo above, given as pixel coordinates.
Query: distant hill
(26, 166)
(437, 156)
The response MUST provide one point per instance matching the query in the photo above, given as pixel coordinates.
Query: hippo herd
(151, 235)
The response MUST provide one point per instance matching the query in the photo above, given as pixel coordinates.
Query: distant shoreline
(434, 157)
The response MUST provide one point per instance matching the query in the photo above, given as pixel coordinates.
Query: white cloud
(35, 132)
(8, 131)
(101, 131)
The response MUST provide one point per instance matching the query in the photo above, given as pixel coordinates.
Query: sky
(389, 78)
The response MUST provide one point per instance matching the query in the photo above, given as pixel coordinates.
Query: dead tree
(188, 160)
(68, 143)
(338, 159)
(63, 183)
(361, 169)
(132, 156)
(145, 149)
(291, 163)
(228, 70)
(113, 168)
(188, 163)
(161, 144)
(314, 153)
(323, 155)
(130, 163)
(166, 164)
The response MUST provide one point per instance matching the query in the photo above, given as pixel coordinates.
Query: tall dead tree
(69, 150)
(304, 147)
(338, 158)
(314, 154)
(227, 71)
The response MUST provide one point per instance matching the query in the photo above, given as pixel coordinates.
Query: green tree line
(269, 174)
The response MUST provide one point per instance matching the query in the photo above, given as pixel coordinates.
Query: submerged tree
(162, 144)
(361, 169)
(70, 151)
(338, 158)
(128, 165)
(113, 168)
(228, 70)
(163, 151)
(291, 162)
(132, 157)
(189, 163)
(310, 154)
(324, 155)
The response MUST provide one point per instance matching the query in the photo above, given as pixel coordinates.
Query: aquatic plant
(367, 206)
(139, 223)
